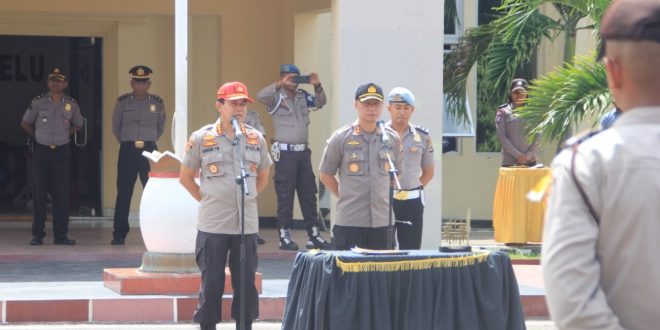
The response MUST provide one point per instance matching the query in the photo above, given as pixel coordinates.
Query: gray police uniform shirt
(252, 119)
(417, 154)
(364, 180)
(606, 276)
(52, 120)
(291, 116)
(210, 151)
(138, 120)
(511, 133)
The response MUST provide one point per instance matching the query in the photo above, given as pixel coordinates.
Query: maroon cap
(632, 20)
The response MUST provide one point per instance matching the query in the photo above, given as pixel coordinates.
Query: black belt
(51, 146)
(139, 144)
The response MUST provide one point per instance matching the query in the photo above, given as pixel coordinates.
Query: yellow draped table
(515, 218)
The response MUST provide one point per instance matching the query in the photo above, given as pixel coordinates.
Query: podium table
(343, 290)
(515, 218)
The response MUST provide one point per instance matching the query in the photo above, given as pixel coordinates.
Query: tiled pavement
(65, 282)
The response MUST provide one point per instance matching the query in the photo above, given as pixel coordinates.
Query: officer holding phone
(290, 108)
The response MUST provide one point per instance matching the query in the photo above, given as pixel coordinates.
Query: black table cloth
(344, 290)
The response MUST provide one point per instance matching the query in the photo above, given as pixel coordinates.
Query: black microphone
(384, 138)
(238, 133)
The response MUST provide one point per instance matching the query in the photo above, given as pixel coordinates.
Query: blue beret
(289, 68)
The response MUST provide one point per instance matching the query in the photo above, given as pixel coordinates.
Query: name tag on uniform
(152, 108)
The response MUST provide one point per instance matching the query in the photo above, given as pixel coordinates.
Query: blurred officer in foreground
(354, 167)
(516, 149)
(138, 121)
(290, 108)
(50, 120)
(417, 169)
(210, 150)
(600, 250)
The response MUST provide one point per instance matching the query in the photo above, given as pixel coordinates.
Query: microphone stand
(241, 180)
(394, 182)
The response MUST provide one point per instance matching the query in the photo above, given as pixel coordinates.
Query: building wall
(229, 40)
(469, 176)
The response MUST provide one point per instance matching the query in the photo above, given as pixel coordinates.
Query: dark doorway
(24, 65)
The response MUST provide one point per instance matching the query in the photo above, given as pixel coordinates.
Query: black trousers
(51, 174)
(293, 173)
(346, 237)
(211, 254)
(409, 236)
(131, 163)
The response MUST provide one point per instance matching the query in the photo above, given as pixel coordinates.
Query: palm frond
(566, 96)
(457, 66)
(514, 45)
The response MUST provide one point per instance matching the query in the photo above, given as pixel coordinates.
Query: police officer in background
(417, 169)
(50, 120)
(138, 120)
(510, 129)
(356, 154)
(210, 150)
(290, 108)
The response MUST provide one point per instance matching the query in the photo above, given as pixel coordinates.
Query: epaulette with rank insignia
(422, 129)
(121, 98)
(40, 96)
(69, 98)
(579, 138)
(157, 98)
(207, 127)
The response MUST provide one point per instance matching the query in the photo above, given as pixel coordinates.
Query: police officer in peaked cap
(138, 121)
(50, 120)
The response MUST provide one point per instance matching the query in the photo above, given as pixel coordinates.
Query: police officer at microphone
(50, 120)
(290, 108)
(210, 152)
(138, 120)
(356, 159)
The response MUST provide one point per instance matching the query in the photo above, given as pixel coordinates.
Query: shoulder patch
(422, 129)
(122, 97)
(579, 138)
(69, 98)
(157, 98)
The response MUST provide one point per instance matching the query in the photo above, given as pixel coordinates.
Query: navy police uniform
(138, 121)
(52, 118)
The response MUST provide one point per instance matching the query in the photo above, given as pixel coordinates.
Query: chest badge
(214, 169)
(386, 167)
(417, 138)
(253, 167)
(67, 107)
(252, 138)
(413, 149)
(353, 167)
(353, 155)
(152, 108)
(209, 140)
(353, 143)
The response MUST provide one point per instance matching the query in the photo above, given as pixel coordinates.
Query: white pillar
(393, 43)
(180, 119)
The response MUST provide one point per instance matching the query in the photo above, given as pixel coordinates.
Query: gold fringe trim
(403, 265)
